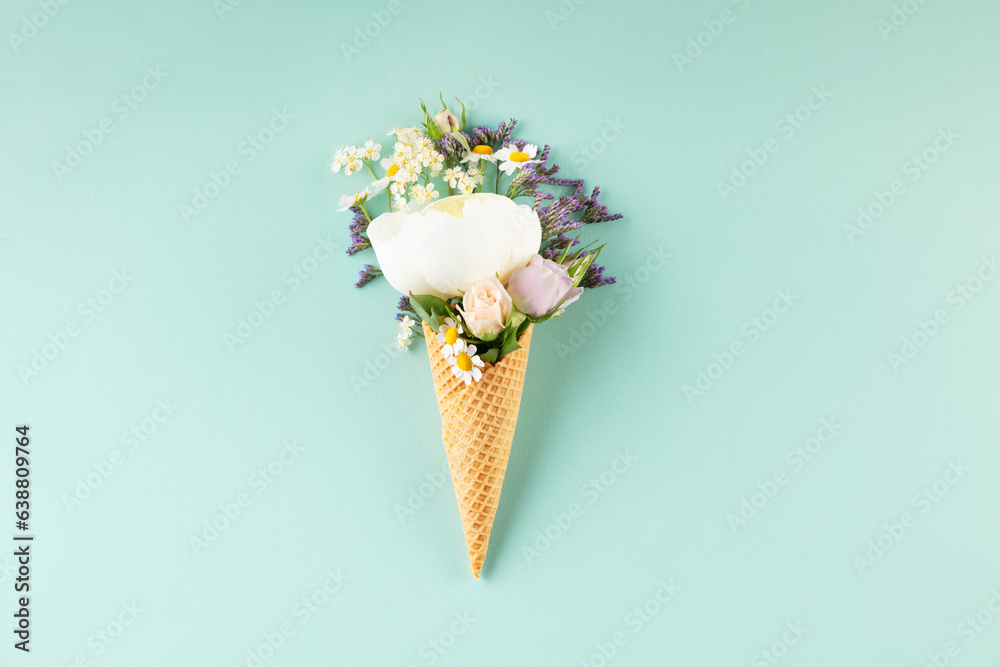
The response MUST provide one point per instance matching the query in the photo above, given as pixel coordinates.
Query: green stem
(363, 210)
(496, 189)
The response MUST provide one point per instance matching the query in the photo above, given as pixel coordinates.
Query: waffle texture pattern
(477, 426)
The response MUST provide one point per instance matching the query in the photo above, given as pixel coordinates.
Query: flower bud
(447, 122)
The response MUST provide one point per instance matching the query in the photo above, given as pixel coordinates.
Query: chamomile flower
(512, 158)
(466, 364)
(347, 201)
(448, 336)
(479, 152)
(377, 186)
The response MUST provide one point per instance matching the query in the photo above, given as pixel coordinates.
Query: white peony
(455, 242)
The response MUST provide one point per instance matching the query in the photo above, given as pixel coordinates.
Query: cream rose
(485, 307)
(455, 242)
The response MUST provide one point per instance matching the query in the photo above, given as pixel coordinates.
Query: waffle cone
(477, 426)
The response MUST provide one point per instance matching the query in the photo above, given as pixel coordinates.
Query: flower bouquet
(474, 237)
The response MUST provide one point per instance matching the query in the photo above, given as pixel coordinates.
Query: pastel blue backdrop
(773, 442)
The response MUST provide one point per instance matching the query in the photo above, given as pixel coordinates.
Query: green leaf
(490, 356)
(508, 347)
(462, 140)
(441, 97)
(463, 113)
(431, 304)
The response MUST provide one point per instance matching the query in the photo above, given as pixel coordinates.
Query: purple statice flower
(594, 277)
(452, 148)
(358, 227)
(405, 308)
(367, 274)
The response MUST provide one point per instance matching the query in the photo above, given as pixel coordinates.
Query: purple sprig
(367, 274)
(358, 229)
(405, 308)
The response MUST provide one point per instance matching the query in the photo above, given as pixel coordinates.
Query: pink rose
(485, 307)
(541, 287)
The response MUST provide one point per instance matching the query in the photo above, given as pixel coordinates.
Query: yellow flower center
(464, 362)
(518, 156)
(391, 171)
(482, 150)
(451, 335)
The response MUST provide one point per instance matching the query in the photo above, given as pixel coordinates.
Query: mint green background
(367, 450)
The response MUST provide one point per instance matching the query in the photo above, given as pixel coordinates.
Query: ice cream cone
(477, 426)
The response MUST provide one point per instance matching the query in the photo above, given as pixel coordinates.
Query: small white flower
(371, 150)
(513, 158)
(406, 323)
(452, 176)
(402, 341)
(466, 364)
(448, 336)
(421, 194)
(479, 152)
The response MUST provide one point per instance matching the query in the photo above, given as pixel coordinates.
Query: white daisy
(449, 338)
(513, 158)
(466, 364)
(480, 152)
(378, 186)
(347, 201)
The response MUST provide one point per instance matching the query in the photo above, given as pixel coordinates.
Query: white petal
(477, 362)
(396, 239)
(477, 374)
(459, 252)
